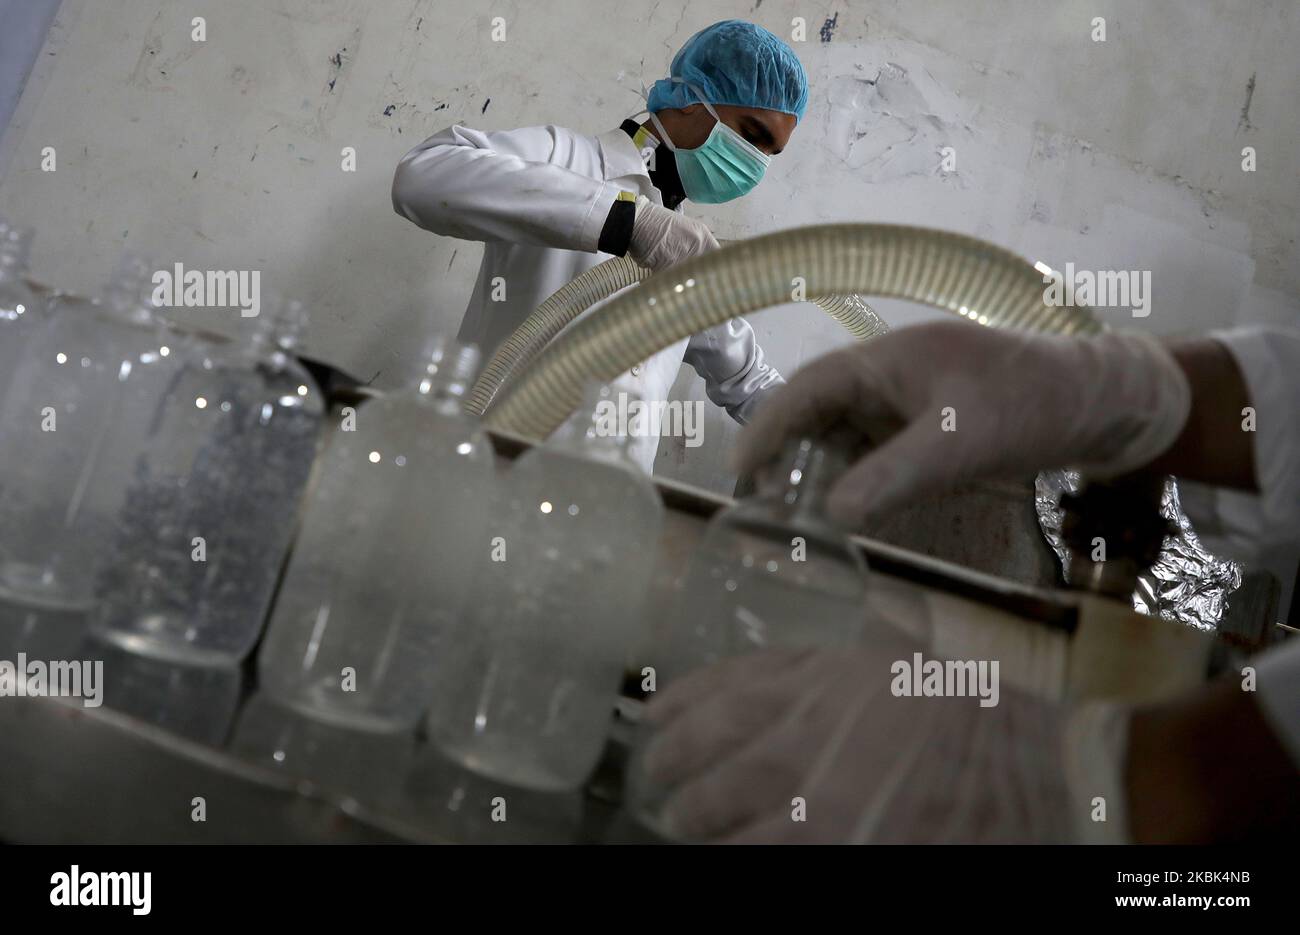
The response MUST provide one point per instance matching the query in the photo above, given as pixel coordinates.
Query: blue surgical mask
(724, 167)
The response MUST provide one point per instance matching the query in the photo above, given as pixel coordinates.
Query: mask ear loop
(659, 127)
(698, 93)
(663, 134)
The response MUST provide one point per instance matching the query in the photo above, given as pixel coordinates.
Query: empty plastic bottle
(212, 498)
(75, 415)
(772, 570)
(389, 540)
(20, 309)
(525, 688)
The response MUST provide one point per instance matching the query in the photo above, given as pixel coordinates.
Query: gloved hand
(948, 402)
(661, 238)
(738, 743)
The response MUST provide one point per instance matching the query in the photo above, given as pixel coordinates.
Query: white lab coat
(1250, 525)
(538, 198)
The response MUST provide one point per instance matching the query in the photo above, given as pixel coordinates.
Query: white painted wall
(226, 154)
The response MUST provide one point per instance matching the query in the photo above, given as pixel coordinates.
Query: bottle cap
(449, 365)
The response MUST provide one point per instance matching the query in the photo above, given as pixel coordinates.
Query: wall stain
(1244, 123)
(828, 27)
(150, 68)
(337, 61)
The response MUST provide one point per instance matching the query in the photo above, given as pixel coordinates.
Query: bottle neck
(597, 433)
(445, 401)
(263, 349)
(276, 333)
(591, 444)
(798, 485)
(268, 343)
(442, 389)
(126, 300)
(12, 268)
(15, 248)
(444, 374)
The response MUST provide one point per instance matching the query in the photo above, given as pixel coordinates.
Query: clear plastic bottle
(525, 688)
(20, 309)
(75, 415)
(771, 570)
(389, 540)
(213, 497)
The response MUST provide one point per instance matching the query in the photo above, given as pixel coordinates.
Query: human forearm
(1213, 446)
(1209, 768)
(497, 186)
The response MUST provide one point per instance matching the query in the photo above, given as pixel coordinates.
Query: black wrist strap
(616, 235)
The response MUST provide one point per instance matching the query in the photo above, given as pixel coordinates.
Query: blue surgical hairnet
(738, 63)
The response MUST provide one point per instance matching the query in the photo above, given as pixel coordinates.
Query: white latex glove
(738, 742)
(661, 238)
(947, 402)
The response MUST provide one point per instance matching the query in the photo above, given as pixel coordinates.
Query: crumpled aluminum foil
(1186, 583)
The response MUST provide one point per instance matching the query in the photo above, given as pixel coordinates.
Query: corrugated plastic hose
(960, 274)
(548, 320)
(596, 284)
(859, 318)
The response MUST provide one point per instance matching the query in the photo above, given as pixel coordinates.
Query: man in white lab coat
(549, 203)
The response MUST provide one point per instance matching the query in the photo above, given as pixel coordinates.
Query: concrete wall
(1121, 154)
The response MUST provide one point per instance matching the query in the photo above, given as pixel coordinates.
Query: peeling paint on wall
(895, 124)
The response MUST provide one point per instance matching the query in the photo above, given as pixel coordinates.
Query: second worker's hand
(947, 402)
(819, 746)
